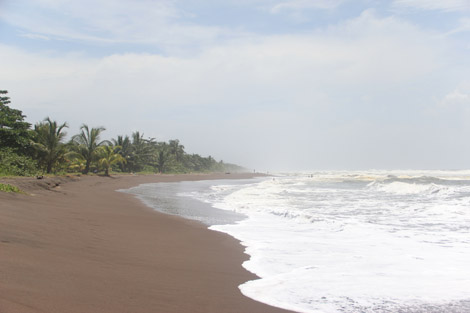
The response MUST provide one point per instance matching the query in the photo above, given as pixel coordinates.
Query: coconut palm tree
(87, 142)
(48, 137)
(124, 148)
(162, 156)
(108, 156)
(142, 151)
(76, 162)
(176, 149)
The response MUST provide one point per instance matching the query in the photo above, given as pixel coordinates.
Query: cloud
(262, 101)
(442, 5)
(464, 26)
(118, 21)
(35, 36)
(305, 4)
(166, 24)
(459, 97)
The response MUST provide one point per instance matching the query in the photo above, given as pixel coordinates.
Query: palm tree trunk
(49, 168)
(87, 167)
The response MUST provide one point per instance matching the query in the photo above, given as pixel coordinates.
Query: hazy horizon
(268, 84)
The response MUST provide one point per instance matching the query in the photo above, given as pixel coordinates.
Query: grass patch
(9, 188)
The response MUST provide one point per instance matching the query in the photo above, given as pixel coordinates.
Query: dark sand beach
(75, 245)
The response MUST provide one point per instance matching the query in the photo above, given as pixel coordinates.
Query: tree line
(27, 150)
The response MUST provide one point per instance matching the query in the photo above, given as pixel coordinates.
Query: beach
(75, 244)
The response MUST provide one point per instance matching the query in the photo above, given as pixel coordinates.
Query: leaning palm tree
(87, 142)
(48, 137)
(108, 156)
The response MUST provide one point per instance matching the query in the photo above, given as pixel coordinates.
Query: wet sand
(76, 245)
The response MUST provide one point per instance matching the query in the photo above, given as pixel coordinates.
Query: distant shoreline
(74, 244)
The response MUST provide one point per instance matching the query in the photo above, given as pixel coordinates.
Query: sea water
(370, 241)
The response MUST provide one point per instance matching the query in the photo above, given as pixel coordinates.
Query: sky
(267, 84)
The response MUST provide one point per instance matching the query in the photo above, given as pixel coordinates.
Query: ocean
(341, 241)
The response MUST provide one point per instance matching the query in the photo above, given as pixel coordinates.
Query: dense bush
(14, 164)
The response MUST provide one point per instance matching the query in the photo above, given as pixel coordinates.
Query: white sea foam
(354, 241)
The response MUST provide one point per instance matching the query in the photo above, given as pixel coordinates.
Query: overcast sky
(268, 84)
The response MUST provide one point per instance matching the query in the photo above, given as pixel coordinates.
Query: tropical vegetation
(9, 188)
(43, 149)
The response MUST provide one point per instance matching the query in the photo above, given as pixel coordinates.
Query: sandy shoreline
(80, 246)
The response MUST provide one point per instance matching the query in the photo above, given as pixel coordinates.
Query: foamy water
(352, 241)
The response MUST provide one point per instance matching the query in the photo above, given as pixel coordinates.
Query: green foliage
(9, 188)
(76, 162)
(48, 136)
(14, 131)
(13, 164)
(87, 142)
(162, 156)
(108, 156)
(176, 149)
(4, 100)
(142, 152)
(125, 149)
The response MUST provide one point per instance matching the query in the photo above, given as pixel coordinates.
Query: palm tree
(162, 156)
(108, 156)
(142, 151)
(48, 141)
(124, 147)
(176, 149)
(87, 142)
(77, 162)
